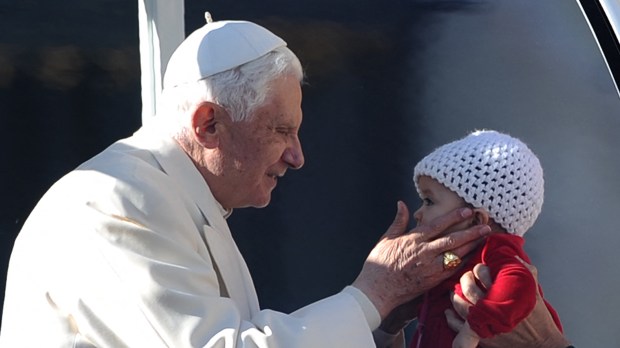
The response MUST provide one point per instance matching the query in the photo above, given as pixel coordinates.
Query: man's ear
(481, 217)
(204, 124)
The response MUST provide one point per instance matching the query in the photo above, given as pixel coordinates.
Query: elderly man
(132, 248)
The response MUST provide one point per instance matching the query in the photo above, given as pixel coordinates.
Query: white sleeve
(370, 311)
(382, 339)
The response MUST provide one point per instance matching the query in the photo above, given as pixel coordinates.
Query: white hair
(240, 90)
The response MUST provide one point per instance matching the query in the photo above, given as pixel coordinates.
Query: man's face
(437, 200)
(257, 152)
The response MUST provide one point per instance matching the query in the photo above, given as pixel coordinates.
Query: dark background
(387, 82)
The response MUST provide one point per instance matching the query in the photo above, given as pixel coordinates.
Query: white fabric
(217, 47)
(493, 171)
(121, 253)
(370, 311)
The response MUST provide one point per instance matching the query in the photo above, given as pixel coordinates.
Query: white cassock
(131, 250)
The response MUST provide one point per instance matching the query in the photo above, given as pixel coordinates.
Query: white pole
(161, 29)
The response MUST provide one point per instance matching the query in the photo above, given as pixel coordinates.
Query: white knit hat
(217, 47)
(493, 171)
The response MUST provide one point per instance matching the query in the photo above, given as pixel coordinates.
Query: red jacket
(511, 298)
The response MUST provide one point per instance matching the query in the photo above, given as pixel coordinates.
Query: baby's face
(437, 200)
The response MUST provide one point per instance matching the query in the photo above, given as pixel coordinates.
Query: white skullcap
(217, 47)
(493, 171)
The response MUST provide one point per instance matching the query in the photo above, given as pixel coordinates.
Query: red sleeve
(513, 294)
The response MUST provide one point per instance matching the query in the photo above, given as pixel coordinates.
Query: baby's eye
(427, 201)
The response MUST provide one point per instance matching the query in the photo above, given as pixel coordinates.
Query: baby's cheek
(463, 225)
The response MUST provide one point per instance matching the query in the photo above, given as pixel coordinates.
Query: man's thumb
(399, 225)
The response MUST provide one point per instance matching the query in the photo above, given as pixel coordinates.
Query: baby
(502, 181)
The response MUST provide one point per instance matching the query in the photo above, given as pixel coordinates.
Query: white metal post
(162, 28)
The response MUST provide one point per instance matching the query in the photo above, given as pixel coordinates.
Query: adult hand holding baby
(538, 330)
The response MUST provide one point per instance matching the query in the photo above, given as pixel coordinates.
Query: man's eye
(281, 130)
(427, 201)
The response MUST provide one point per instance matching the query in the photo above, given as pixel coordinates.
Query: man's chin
(261, 203)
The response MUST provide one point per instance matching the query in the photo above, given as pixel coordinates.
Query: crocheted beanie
(493, 171)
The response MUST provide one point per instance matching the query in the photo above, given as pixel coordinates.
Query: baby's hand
(466, 338)
(537, 330)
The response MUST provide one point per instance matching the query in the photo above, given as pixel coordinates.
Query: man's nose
(294, 156)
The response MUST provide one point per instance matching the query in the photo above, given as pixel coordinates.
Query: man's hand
(538, 330)
(404, 265)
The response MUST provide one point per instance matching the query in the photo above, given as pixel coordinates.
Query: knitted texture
(492, 171)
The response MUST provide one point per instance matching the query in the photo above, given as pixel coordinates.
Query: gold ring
(450, 260)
